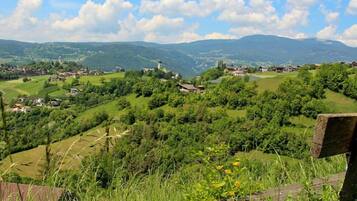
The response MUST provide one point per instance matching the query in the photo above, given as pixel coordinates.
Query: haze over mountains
(186, 58)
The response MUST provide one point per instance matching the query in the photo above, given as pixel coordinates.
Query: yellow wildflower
(218, 185)
(237, 184)
(228, 171)
(220, 167)
(236, 164)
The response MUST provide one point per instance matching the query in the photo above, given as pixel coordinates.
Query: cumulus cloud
(349, 36)
(167, 21)
(216, 35)
(352, 7)
(95, 17)
(297, 13)
(331, 17)
(328, 32)
(175, 7)
(22, 15)
(158, 28)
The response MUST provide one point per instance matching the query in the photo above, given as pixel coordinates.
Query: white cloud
(95, 17)
(349, 36)
(190, 8)
(331, 17)
(352, 7)
(22, 15)
(297, 14)
(261, 17)
(244, 31)
(156, 29)
(167, 20)
(173, 7)
(328, 32)
(216, 35)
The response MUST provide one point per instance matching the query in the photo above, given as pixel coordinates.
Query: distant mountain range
(186, 58)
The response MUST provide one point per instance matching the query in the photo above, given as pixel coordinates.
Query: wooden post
(107, 129)
(337, 134)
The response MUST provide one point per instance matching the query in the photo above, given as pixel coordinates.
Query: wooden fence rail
(293, 190)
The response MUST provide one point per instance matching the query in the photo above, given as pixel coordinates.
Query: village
(24, 104)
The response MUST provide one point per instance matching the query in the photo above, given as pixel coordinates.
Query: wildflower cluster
(221, 181)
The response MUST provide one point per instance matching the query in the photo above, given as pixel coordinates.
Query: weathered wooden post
(337, 134)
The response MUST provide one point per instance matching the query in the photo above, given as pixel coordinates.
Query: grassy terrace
(14, 88)
(68, 152)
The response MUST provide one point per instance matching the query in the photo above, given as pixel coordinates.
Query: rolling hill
(186, 58)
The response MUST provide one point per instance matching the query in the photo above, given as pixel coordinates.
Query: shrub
(123, 103)
(157, 100)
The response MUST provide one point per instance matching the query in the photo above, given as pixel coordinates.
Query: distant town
(58, 73)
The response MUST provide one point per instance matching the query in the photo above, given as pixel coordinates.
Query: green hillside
(236, 138)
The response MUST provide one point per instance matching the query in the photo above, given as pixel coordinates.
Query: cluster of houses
(62, 76)
(23, 70)
(24, 104)
(160, 67)
(243, 70)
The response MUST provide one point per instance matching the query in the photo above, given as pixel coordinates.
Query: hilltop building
(236, 71)
(190, 88)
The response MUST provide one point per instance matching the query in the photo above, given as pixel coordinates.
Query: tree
(333, 76)
(123, 103)
(157, 100)
(313, 108)
(350, 87)
(304, 75)
(221, 65)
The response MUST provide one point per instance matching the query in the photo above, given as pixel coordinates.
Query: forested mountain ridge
(186, 58)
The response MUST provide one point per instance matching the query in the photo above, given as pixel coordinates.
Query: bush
(176, 100)
(350, 87)
(128, 118)
(123, 103)
(313, 108)
(157, 100)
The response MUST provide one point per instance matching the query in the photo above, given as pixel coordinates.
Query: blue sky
(170, 21)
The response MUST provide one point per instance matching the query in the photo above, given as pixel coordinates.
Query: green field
(68, 152)
(14, 88)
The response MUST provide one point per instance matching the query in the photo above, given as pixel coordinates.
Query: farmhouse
(55, 103)
(291, 69)
(12, 192)
(263, 69)
(278, 69)
(20, 108)
(236, 71)
(189, 88)
(354, 64)
(74, 91)
(39, 102)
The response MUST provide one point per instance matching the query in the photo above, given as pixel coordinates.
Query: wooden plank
(349, 189)
(295, 190)
(333, 134)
